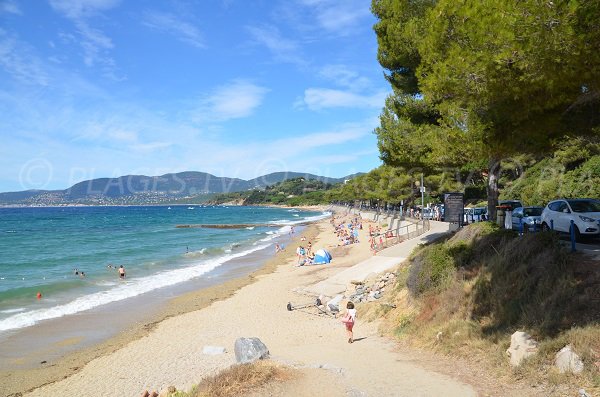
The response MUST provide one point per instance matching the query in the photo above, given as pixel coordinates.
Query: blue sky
(239, 88)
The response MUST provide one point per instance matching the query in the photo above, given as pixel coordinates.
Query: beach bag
(347, 319)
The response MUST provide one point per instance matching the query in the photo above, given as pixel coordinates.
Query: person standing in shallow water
(349, 319)
(121, 272)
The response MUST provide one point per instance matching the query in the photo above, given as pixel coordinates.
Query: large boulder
(521, 347)
(248, 350)
(567, 360)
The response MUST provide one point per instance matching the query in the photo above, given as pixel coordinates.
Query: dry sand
(170, 351)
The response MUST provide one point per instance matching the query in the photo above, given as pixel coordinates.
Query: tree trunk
(492, 187)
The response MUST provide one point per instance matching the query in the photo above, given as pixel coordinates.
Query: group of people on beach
(347, 233)
(305, 254)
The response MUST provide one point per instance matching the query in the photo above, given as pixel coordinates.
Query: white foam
(314, 218)
(124, 290)
(193, 254)
(8, 311)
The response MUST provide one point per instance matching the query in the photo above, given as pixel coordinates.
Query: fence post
(572, 229)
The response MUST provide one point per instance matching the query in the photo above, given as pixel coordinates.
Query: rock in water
(248, 350)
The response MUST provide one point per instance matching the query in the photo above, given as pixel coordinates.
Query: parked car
(428, 213)
(476, 214)
(585, 213)
(512, 204)
(531, 217)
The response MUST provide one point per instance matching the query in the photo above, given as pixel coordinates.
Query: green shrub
(430, 270)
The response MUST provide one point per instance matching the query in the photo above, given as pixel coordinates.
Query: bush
(430, 269)
(529, 283)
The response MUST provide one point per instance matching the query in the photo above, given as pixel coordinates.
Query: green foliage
(475, 82)
(433, 267)
(549, 179)
(430, 270)
(291, 192)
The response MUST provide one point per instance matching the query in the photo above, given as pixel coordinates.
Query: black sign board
(454, 207)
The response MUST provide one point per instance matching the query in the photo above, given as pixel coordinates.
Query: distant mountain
(141, 189)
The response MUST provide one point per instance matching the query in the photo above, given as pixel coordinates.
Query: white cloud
(322, 98)
(301, 153)
(94, 42)
(169, 23)
(344, 77)
(10, 7)
(17, 58)
(77, 9)
(232, 101)
(284, 50)
(340, 17)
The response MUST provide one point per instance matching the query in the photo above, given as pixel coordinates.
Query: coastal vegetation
(238, 380)
(477, 84)
(467, 294)
(291, 192)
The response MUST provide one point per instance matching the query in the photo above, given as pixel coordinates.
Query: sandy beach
(169, 352)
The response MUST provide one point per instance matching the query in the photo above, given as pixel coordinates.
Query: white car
(585, 214)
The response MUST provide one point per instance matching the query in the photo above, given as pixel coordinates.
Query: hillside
(291, 192)
(190, 186)
(466, 295)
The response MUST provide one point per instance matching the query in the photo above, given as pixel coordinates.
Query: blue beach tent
(322, 257)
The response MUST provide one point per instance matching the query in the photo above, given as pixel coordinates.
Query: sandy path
(172, 353)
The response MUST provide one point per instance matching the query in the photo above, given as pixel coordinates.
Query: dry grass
(240, 379)
(500, 284)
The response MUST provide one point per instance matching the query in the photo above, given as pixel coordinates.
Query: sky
(236, 88)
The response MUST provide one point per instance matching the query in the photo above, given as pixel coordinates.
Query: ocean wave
(194, 254)
(127, 289)
(9, 311)
(313, 218)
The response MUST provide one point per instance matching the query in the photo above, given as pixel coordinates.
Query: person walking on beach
(121, 272)
(348, 319)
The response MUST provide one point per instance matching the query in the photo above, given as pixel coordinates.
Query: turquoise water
(40, 248)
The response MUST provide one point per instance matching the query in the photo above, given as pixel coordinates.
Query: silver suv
(585, 214)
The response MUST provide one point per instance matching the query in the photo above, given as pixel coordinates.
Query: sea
(62, 262)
